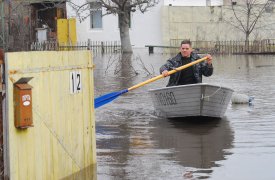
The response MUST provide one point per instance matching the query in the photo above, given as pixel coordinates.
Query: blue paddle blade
(100, 101)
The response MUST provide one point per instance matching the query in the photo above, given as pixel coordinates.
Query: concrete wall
(228, 2)
(193, 3)
(208, 24)
(185, 2)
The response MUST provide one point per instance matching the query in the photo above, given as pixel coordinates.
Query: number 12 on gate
(75, 82)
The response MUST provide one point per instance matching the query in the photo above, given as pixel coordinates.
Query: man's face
(185, 50)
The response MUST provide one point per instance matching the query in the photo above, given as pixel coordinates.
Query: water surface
(133, 143)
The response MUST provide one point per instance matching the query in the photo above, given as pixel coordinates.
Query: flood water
(133, 143)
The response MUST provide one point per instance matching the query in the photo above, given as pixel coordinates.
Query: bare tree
(247, 15)
(123, 8)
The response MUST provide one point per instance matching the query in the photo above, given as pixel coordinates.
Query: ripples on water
(133, 143)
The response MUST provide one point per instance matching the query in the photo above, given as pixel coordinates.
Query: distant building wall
(193, 3)
(216, 2)
(208, 24)
(185, 2)
(238, 2)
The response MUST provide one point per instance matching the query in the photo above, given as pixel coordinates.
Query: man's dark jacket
(198, 69)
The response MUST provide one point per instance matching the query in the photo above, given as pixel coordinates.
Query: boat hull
(191, 100)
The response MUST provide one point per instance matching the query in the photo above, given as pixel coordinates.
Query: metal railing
(95, 46)
(264, 46)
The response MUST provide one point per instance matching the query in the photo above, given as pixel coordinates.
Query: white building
(200, 20)
(145, 28)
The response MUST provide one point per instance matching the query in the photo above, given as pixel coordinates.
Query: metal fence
(240, 47)
(95, 46)
(230, 47)
(214, 47)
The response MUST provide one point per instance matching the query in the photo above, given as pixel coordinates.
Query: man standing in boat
(190, 75)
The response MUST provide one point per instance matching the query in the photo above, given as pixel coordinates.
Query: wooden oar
(100, 101)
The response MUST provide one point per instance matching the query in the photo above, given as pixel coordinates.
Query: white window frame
(93, 13)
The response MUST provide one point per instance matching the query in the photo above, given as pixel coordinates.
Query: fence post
(114, 50)
(88, 44)
(223, 47)
(219, 47)
(102, 47)
(222, 44)
(234, 46)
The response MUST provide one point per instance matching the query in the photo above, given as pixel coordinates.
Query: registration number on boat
(165, 98)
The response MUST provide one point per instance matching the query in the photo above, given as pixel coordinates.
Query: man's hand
(165, 73)
(209, 59)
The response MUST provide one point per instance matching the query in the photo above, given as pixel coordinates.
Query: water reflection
(130, 150)
(132, 143)
(126, 71)
(197, 142)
